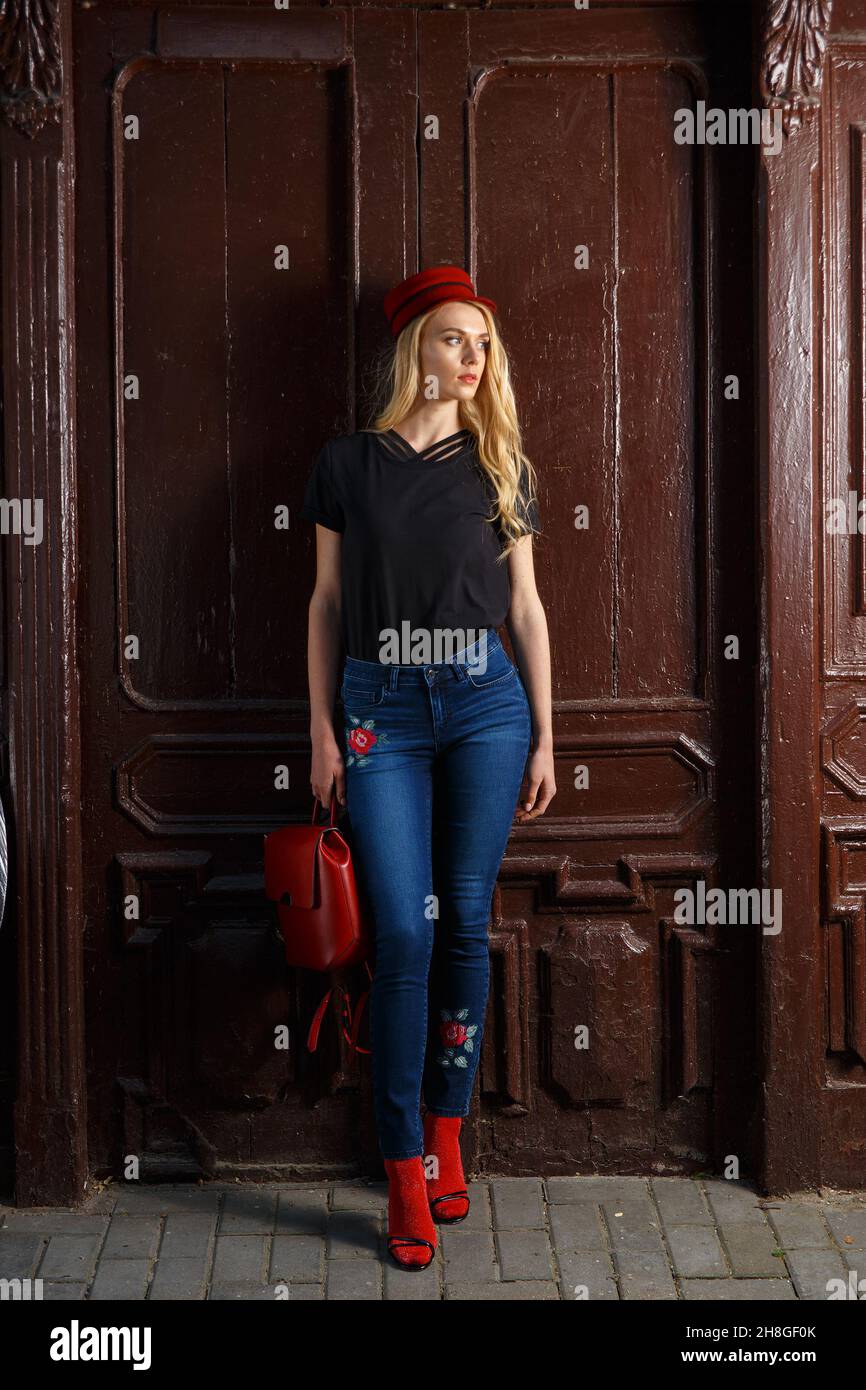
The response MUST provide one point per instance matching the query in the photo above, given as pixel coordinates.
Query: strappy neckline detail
(447, 450)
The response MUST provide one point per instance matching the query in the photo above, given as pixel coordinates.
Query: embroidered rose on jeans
(457, 1038)
(360, 741)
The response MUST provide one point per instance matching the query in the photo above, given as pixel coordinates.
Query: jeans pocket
(494, 675)
(355, 695)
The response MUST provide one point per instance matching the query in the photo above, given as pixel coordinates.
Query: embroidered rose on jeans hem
(361, 741)
(457, 1038)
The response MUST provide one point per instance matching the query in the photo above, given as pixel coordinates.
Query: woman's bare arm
(527, 627)
(324, 648)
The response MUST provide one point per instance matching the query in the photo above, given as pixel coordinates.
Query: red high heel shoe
(408, 1210)
(441, 1137)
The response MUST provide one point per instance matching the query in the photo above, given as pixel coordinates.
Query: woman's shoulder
(348, 447)
(347, 442)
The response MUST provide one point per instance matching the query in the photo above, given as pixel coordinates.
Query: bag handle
(317, 804)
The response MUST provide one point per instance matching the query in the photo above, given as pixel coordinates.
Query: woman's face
(454, 347)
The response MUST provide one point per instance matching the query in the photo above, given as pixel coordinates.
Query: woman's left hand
(539, 786)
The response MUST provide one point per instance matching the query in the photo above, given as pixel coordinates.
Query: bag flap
(292, 862)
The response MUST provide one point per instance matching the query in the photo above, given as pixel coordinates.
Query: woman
(424, 549)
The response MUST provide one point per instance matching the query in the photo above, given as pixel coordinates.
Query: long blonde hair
(491, 416)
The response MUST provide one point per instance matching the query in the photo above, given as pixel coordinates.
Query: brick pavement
(525, 1238)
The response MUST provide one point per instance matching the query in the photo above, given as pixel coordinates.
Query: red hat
(420, 292)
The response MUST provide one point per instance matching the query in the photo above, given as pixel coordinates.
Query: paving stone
(733, 1200)
(238, 1258)
(513, 1292)
(121, 1279)
(517, 1203)
(524, 1255)
(855, 1261)
(577, 1227)
(696, 1252)
(810, 1271)
(49, 1222)
(70, 1257)
(358, 1197)
(352, 1234)
(306, 1293)
(178, 1280)
(131, 1238)
(681, 1201)
(423, 1285)
(20, 1252)
(298, 1259)
(302, 1213)
(749, 1246)
(633, 1226)
(597, 1188)
(643, 1274)
(480, 1216)
(187, 1236)
(161, 1198)
(248, 1213)
(62, 1293)
(848, 1226)
(354, 1279)
(798, 1227)
(737, 1290)
(249, 1291)
(587, 1276)
(468, 1256)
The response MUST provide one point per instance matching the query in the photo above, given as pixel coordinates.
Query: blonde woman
(424, 549)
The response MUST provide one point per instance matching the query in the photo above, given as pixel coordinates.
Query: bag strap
(359, 1009)
(353, 1022)
(313, 1034)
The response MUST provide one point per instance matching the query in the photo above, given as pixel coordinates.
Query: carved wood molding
(40, 633)
(844, 917)
(31, 70)
(792, 59)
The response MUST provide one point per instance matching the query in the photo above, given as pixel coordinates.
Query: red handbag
(310, 876)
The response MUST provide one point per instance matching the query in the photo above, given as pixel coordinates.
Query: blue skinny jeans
(435, 757)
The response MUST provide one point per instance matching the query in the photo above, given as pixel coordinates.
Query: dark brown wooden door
(249, 184)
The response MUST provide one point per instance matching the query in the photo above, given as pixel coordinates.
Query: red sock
(442, 1138)
(408, 1212)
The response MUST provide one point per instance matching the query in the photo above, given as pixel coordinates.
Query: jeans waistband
(390, 672)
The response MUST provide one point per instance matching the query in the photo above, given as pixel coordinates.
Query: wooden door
(618, 1039)
(250, 182)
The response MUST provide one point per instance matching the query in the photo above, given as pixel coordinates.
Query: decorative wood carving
(593, 951)
(505, 1069)
(842, 755)
(792, 65)
(31, 72)
(845, 916)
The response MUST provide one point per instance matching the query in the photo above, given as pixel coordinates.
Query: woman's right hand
(327, 768)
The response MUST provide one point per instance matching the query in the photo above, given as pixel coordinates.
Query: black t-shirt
(416, 548)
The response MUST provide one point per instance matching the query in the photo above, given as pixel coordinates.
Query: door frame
(45, 909)
(41, 678)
